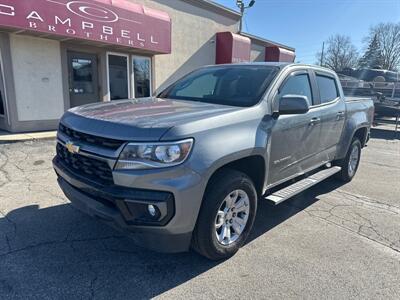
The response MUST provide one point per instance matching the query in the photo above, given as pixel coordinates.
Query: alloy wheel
(232, 216)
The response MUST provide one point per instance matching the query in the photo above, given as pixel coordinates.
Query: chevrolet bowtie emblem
(72, 148)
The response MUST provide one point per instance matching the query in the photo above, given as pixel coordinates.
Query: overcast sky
(305, 24)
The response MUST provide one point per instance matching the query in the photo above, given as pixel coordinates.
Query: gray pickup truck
(185, 169)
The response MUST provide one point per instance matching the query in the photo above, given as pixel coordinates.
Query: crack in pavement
(369, 201)
(359, 234)
(2, 169)
(365, 228)
(49, 243)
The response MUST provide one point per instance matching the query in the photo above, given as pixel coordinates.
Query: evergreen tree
(372, 57)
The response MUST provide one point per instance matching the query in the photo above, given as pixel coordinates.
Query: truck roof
(278, 64)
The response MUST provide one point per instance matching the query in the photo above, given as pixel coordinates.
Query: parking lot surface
(333, 241)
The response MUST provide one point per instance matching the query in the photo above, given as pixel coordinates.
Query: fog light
(152, 210)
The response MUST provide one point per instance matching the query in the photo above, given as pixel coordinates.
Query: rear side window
(297, 85)
(327, 88)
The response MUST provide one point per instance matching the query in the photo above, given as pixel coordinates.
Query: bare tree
(388, 36)
(340, 53)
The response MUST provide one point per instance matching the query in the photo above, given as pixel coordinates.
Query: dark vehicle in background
(382, 85)
(187, 168)
(372, 75)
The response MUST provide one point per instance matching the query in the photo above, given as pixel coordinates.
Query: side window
(327, 88)
(298, 85)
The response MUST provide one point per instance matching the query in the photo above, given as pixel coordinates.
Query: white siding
(37, 76)
(257, 52)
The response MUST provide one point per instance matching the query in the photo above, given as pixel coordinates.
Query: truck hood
(146, 119)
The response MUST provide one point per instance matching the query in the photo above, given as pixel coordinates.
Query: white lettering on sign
(87, 25)
(125, 34)
(108, 30)
(92, 11)
(32, 25)
(94, 22)
(8, 10)
(139, 38)
(34, 15)
(71, 31)
(152, 40)
(67, 21)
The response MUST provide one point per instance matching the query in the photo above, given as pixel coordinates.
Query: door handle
(340, 115)
(314, 121)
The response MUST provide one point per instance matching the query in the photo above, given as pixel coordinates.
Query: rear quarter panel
(359, 114)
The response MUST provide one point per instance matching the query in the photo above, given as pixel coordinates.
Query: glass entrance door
(83, 78)
(118, 78)
(141, 76)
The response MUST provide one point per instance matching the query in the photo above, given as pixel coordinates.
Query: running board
(301, 185)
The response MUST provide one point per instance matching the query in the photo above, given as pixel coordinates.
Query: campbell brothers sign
(107, 21)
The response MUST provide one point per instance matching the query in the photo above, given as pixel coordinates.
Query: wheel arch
(253, 166)
(360, 132)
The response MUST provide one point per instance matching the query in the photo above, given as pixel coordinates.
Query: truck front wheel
(350, 163)
(227, 215)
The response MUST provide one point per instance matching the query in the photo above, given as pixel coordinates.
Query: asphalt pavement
(333, 241)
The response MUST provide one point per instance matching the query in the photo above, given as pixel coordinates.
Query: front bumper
(116, 205)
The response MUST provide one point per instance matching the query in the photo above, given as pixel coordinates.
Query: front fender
(223, 161)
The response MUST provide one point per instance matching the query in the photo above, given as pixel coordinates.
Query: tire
(207, 238)
(349, 170)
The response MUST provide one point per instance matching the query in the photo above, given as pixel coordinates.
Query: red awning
(117, 22)
(232, 48)
(275, 53)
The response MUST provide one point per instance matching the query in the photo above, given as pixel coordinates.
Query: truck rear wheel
(227, 215)
(350, 163)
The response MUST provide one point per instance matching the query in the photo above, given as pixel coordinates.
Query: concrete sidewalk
(7, 137)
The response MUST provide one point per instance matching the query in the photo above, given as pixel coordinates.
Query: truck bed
(352, 99)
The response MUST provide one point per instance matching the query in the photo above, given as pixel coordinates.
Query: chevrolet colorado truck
(185, 169)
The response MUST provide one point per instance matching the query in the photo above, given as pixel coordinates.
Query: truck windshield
(241, 85)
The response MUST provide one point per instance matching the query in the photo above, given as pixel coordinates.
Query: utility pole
(242, 8)
(322, 54)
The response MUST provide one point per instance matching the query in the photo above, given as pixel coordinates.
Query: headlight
(153, 155)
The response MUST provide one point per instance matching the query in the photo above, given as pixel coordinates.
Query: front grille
(90, 139)
(93, 169)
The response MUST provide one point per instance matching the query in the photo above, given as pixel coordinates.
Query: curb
(25, 137)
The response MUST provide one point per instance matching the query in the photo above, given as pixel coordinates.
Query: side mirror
(293, 104)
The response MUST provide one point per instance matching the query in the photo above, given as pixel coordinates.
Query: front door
(83, 78)
(294, 138)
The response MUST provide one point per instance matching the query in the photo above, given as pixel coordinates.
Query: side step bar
(300, 186)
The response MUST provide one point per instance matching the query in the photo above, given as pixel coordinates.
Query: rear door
(294, 138)
(332, 112)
